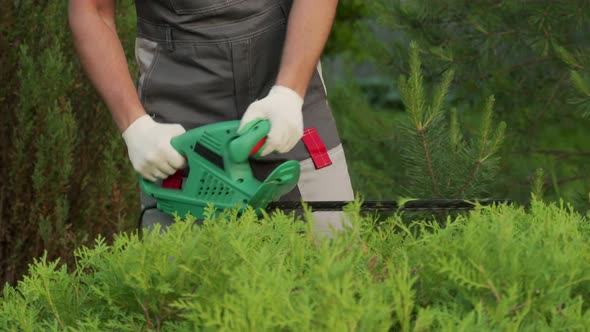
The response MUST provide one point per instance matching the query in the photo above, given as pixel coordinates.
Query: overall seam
(215, 26)
(233, 67)
(250, 85)
(217, 41)
(203, 10)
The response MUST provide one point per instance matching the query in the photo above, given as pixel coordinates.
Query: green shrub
(64, 175)
(498, 268)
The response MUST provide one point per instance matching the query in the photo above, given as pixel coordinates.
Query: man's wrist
(141, 122)
(124, 119)
(292, 83)
(289, 92)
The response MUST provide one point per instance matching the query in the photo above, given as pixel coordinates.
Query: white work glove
(150, 151)
(282, 107)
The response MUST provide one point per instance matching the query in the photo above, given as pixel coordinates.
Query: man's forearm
(102, 56)
(309, 26)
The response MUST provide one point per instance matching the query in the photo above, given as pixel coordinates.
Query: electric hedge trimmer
(220, 174)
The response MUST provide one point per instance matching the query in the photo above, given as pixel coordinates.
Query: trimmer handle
(250, 142)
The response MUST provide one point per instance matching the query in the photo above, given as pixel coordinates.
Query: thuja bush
(496, 268)
(64, 176)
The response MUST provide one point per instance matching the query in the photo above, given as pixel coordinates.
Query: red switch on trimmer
(257, 147)
(174, 181)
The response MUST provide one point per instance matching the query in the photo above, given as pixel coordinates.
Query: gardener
(206, 61)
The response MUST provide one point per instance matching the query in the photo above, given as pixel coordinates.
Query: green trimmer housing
(220, 172)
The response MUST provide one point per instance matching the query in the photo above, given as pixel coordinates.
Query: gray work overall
(205, 61)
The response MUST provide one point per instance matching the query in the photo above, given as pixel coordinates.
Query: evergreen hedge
(502, 268)
(64, 174)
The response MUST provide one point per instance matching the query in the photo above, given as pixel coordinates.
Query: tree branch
(429, 163)
(470, 177)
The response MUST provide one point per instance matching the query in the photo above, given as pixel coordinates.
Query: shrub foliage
(498, 268)
(63, 168)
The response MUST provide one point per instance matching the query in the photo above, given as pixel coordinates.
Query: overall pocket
(146, 56)
(192, 85)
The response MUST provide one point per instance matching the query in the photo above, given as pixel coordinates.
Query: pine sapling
(439, 160)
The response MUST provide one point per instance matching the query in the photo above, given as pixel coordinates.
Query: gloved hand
(282, 108)
(150, 151)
